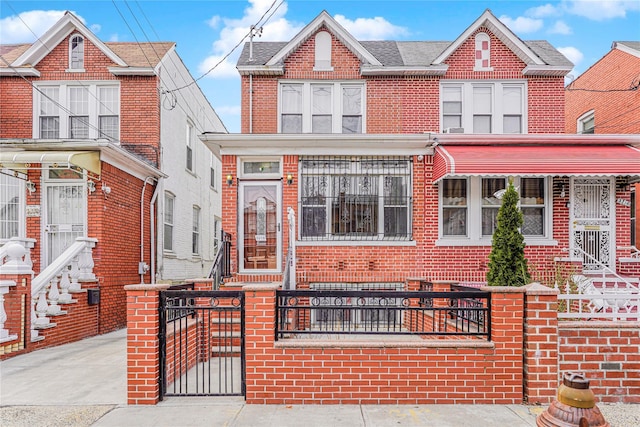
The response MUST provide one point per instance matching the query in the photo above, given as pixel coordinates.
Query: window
(79, 118)
(587, 122)
(321, 107)
(11, 206)
(355, 198)
(195, 232)
(213, 182)
(189, 151)
(482, 53)
(108, 113)
(169, 206)
(323, 52)
(76, 53)
(469, 207)
(482, 106)
(87, 111)
(487, 107)
(49, 113)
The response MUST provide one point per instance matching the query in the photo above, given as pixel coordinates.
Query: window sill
(75, 70)
(355, 243)
(487, 242)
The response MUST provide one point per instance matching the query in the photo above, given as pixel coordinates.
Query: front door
(65, 194)
(260, 230)
(592, 219)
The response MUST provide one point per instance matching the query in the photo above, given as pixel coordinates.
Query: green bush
(507, 264)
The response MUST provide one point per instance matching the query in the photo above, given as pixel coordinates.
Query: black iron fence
(201, 341)
(310, 312)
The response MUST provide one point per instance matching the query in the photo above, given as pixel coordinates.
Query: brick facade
(610, 95)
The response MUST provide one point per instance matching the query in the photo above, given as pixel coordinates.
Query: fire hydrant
(575, 405)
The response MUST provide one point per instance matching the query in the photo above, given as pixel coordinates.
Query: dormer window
(323, 52)
(76, 53)
(483, 53)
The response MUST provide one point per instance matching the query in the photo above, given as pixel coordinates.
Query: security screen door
(592, 216)
(65, 218)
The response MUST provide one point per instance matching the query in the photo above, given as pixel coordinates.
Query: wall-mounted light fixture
(106, 189)
(229, 180)
(289, 179)
(91, 186)
(31, 186)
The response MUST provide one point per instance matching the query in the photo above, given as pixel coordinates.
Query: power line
(238, 44)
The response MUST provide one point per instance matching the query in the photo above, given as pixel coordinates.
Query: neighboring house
(605, 99)
(98, 140)
(388, 159)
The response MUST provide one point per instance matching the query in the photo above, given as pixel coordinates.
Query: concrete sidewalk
(84, 384)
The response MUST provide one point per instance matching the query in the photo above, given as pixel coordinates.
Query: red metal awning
(551, 160)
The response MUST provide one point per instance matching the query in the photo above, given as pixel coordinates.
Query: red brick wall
(615, 111)
(608, 353)
(139, 97)
(114, 219)
(361, 373)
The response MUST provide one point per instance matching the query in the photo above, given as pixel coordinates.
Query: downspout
(250, 103)
(153, 233)
(142, 266)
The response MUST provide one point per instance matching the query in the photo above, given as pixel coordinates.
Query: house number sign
(33, 211)
(623, 202)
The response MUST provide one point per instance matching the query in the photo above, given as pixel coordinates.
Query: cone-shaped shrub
(507, 264)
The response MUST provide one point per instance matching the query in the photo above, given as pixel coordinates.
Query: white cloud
(278, 28)
(235, 30)
(376, 28)
(560, 27)
(521, 24)
(572, 54)
(601, 10)
(27, 26)
(542, 11)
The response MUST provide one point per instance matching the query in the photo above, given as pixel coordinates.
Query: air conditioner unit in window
(453, 130)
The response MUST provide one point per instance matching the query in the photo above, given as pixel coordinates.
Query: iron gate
(202, 343)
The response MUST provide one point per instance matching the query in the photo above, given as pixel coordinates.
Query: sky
(206, 32)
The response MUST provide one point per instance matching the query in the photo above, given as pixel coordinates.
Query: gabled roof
(54, 35)
(324, 19)
(405, 57)
(630, 47)
(128, 58)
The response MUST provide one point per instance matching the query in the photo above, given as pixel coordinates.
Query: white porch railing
(612, 277)
(55, 284)
(289, 276)
(26, 243)
(579, 298)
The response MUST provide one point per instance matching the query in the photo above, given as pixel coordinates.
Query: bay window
(469, 208)
(328, 107)
(355, 198)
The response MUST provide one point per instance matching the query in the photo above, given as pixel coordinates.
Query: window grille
(355, 198)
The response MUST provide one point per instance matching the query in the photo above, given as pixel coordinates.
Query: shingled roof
(401, 53)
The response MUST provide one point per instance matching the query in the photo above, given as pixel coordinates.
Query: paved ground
(84, 384)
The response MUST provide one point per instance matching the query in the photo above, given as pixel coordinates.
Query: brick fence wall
(520, 363)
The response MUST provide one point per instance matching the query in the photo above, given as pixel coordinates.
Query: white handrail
(65, 259)
(605, 268)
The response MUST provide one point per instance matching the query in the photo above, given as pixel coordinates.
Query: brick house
(98, 142)
(604, 100)
(377, 161)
